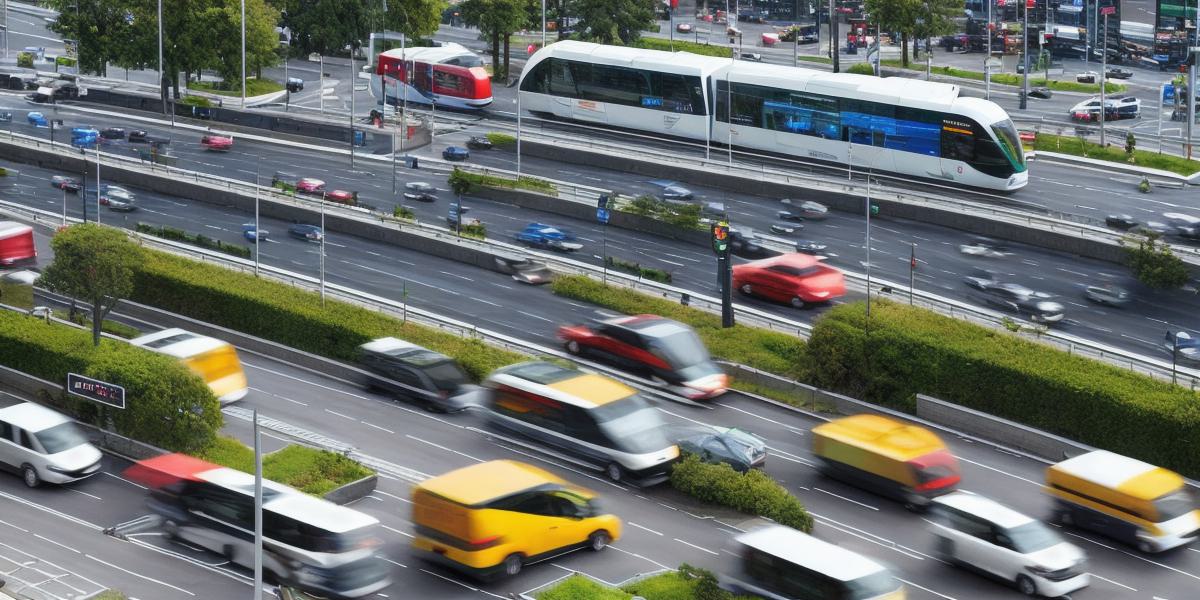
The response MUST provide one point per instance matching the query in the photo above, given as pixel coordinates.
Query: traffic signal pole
(720, 242)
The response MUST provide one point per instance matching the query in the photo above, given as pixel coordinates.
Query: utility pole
(257, 227)
(518, 133)
(1025, 57)
(321, 81)
(243, 54)
(1191, 85)
(543, 23)
(868, 265)
(1103, 74)
(162, 76)
(796, 38)
(912, 272)
(987, 67)
(833, 30)
(258, 512)
(322, 266)
(351, 105)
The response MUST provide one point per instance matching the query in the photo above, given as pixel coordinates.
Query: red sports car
(309, 185)
(654, 347)
(217, 142)
(795, 278)
(342, 197)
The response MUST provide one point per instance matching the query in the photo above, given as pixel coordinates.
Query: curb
(1105, 165)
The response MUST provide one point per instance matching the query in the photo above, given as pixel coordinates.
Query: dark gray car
(741, 450)
(415, 373)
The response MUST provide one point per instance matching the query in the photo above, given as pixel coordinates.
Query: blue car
(252, 233)
(38, 119)
(540, 235)
(306, 232)
(84, 138)
(456, 153)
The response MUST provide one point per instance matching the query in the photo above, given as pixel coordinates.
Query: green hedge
(636, 268)
(25, 60)
(688, 583)
(1069, 144)
(913, 350)
(197, 239)
(681, 45)
(753, 492)
(501, 139)
(578, 587)
(307, 469)
(681, 215)
(167, 405)
(861, 69)
(292, 316)
(474, 181)
(766, 350)
(16, 294)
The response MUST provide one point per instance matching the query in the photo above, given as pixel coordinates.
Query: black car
(6, 117)
(980, 278)
(742, 243)
(1118, 73)
(418, 374)
(420, 191)
(310, 233)
(112, 133)
(1041, 92)
(786, 227)
(1016, 298)
(65, 183)
(294, 84)
(479, 142)
(810, 247)
(138, 136)
(1120, 221)
(738, 449)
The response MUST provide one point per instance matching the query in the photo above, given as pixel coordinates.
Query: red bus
(450, 75)
(16, 244)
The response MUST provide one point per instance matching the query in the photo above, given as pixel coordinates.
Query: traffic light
(720, 238)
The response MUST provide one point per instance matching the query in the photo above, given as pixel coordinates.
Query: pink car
(217, 142)
(308, 185)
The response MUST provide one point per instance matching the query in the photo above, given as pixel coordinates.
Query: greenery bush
(64, 61)
(578, 587)
(292, 316)
(166, 404)
(309, 470)
(16, 294)
(25, 60)
(770, 351)
(684, 215)
(688, 583)
(404, 212)
(254, 87)
(1143, 158)
(501, 139)
(200, 101)
(3, 172)
(753, 492)
(1010, 78)
(666, 45)
(200, 240)
(1154, 264)
(913, 350)
(650, 273)
(473, 181)
(111, 595)
(861, 69)
(108, 326)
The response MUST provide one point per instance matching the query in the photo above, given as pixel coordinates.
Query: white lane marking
(979, 464)
(150, 579)
(732, 407)
(441, 447)
(329, 243)
(392, 496)
(301, 380)
(394, 563)
(696, 547)
(14, 526)
(125, 480)
(1142, 558)
(870, 537)
(456, 275)
(846, 499)
(340, 415)
(789, 456)
(488, 302)
(921, 587)
(535, 316)
(85, 494)
(47, 509)
(56, 543)
(394, 530)
(376, 426)
(507, 287)
(1112, 582)
(643, 528)
(455, 582)
(636, 555)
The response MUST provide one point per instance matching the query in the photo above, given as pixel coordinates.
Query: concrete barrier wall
(1002, 431)
(355, 490)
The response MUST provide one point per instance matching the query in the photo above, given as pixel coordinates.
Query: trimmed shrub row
(292, 316)
(909, 350)
(753, 492)
(501, 139)
(688, 583)
(766, 350)
(309, 470)
(197, 239)
(679, 45)
(684, 215)
(166, 405)
(636, 268)
(474, 181)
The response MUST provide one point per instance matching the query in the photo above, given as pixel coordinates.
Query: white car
(43, 445)
(990, 537)
(118, 192)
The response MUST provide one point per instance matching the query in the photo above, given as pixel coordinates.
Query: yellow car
(489, 519)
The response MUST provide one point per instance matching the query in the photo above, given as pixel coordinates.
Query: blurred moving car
(743, 243)
(1016, 298)
(1089, 110)
(310, 185)
(795, 278)
(1184, 345)
(490, 519)
(62, 182)
(119, 204)
(803, 209)
(810, 247)
(415, 373)
(985, 248)
(420, 191)
(1043, 93)
(219, 143)
(342, 197)
(37, 119)
(780, 562)
(891, 458)
(6, 117)
(16, 244)
(1087, 77)
(112, 133)
(1118, 73)
(1001, 542)
(652, 346)
(456, 153)
(750, 56)
(1120, 221)
(1108, 295)
(786, 227)
(600, 421)
(980, 278)
(1127, 107)
(524, 270)
(311, 233)
(540, 235)
(254, 233)
(1137, 503)
(684, 28)
(138, 136)
(115, 192)
(479, 142)
(671, 191)
(44, 446)
(1186, 226)
(215, 361)
(738, 449)
(295, 84)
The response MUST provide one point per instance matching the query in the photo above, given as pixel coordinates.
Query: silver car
(44, 445)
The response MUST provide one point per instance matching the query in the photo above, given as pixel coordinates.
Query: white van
(43, 445)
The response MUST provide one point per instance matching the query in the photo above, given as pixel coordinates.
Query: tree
(414, 18)
(497, 19)
(1130, 145)
(94, 264)
(919, 19)
(99, 26)
(1153, 263)
(328, 26)
(225, 17)
(612, 21)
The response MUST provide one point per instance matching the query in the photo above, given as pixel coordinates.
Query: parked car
(738, 449)
(112, 133)
(796, 278)
(1118, 73)
(138, 136)
(44, 446)
(742, 243)
(310, 185)
(311, 233)
(671, 191)
(456, 153)
(651, 346)
(1087, 77)
(1120, 221)
(1013, 297)
(524, 270)
(420, 191)
(541, 235)
(253, 233)
(37, 119)
(418, 374)
(1108, 295)
(479, 142)
(810, 247)
(684, 28)
(1001, 542)
(63, 182)
(803, 210)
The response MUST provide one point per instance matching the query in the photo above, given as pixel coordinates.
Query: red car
(308, 185)
(654, 347)
(798, 279)
(342, 197)
(220, 143)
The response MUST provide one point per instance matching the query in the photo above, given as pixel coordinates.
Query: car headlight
(820, 294)
(1039, 570)
(1050, 307)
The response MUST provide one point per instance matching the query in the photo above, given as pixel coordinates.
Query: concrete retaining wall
(1002, 431)
(355, 490)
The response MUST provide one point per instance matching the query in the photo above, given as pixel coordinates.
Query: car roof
(178, 342)
(796, 260)
(889, 437)
(32, 417)
(649, 325)
(1129, 475)
(985, 508)
(807, 551)
(577, 388)
(483, 482)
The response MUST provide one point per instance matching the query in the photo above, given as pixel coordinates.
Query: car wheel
(598, 540)
(30, 476)
(797, 302)
(171, 529)
(1145, 547)
(746, 289)
(573, 347)
(613, 471)
(1064, 518)
(1026, 586)
(512, 565)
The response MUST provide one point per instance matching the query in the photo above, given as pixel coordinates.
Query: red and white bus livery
(16, 244)
(450, 75)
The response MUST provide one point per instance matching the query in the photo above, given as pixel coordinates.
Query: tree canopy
(914, 19)
(94, 264)
(497, 20)
(611, 21)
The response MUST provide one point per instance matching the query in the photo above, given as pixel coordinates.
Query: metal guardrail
(746, 315)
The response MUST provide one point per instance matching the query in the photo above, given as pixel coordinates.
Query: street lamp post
(1174, 339)
(322, 262)
(543, 23)
(1191, 86)
(257, 227)
(1162, 93)
(518, 133)
(868, 265)
(1025, 58)
(162, 77)
(258, 512)
(351, 106)
(1103, 68)
(258, 577)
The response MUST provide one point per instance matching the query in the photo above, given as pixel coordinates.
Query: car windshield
(632, 424)
(1010, 141)
(1033, 537)
(60, 438)
(446, 375)
(680, 349)
(871, 586)
(1174, 504)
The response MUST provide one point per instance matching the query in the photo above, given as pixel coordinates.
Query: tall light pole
(352, 105)
(258, 513)
(162, 77)
(796, 38)
(868, 265)
(518, 132)
(543, 26)
(1103, 67)
(322, 263)
(1191, 86)
(243, 54)
(1025, 58)
(257, 227)
(97, 181)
